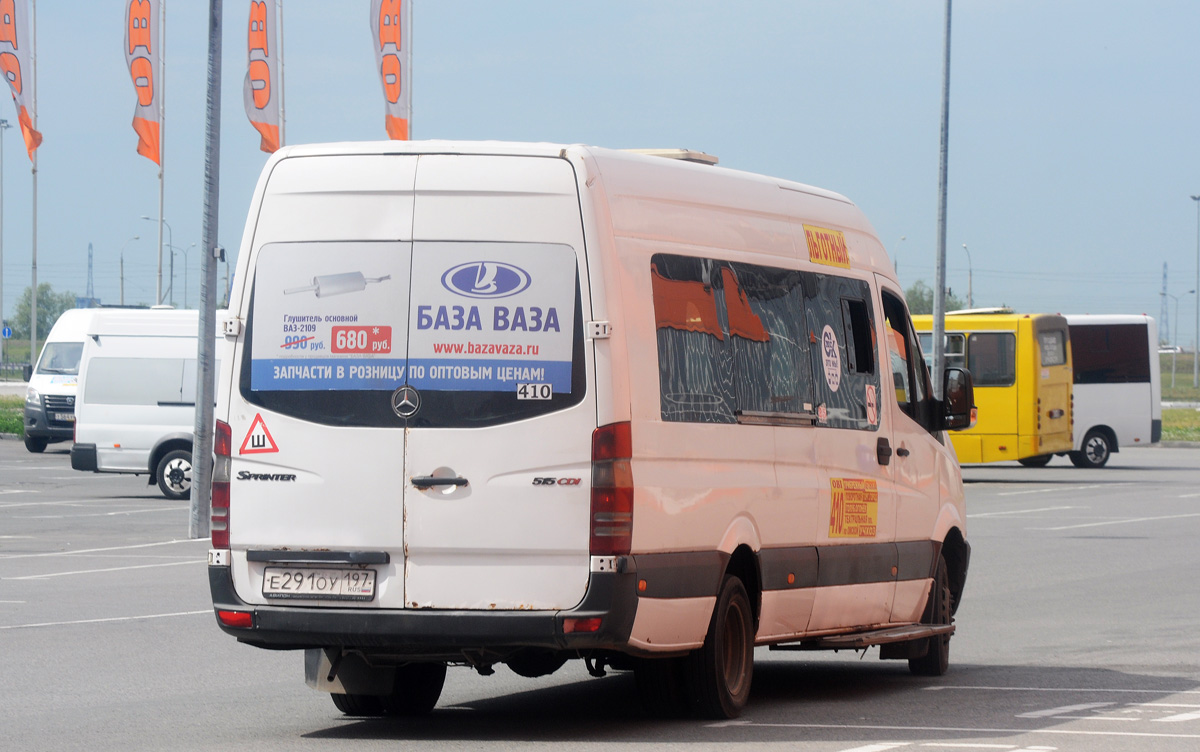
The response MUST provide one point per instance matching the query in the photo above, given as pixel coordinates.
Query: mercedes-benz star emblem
(406, 401)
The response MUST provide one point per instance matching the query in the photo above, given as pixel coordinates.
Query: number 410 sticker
(534, 392)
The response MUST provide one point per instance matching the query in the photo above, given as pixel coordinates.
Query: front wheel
(719, 673)
(936, 659)
(35, 445)
(1095, 452)
(174, 474)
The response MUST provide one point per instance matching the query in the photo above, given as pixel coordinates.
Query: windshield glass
(60, 357)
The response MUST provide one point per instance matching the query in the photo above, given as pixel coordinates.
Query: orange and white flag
(143, 56)
(391, 34)
(15, 44)
(259, 91)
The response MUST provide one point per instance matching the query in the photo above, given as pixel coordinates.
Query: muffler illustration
(328, 285)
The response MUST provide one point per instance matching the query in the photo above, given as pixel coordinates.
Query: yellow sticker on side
(827, 247)
(854, 508)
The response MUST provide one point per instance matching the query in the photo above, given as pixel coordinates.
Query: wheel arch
(1109, 433)
(957, 553)
(168, 443)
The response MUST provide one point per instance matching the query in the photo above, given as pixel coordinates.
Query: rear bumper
(83, 457)
(610, 596)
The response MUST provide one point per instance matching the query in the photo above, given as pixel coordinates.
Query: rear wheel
(174, 474)
(719, 674)
(1095, 452)
(936, 659)
(1040, 460)
(660, 687)
(416, 691)
(35, 445)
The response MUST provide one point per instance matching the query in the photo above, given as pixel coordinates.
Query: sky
(1074, 132)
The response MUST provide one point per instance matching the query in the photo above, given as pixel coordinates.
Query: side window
(765, 310)
(134, 381)
(909, 375)
(841, 332)
(694, 363)
(992, 358)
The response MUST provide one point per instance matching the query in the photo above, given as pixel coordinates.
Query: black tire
(415, 692)
(660, 687)
(719, 674)
(936, 658)
(1039, 460)
(361, 705)
(1095, 452)
(174, 474)
(417, 689)
(35, 445)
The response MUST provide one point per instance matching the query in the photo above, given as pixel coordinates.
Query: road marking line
(104, 621)
(64, 502)
(1181, 717)
(1065, 689)
(18, 490)
(1057, 489)
(1188, 496)
(1021, 511)
(1094, 718)
(881, 747)
(1051, 712)
(964, 745)
(1120, 522)
(102, 550)
(100, 514)
(965, 730)
(110, 569)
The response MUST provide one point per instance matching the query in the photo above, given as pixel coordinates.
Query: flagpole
(33, 352)
(162, 138)
(408, 63)
(282, 109)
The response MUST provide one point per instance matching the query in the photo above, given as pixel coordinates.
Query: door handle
(428, 481)
(901, 452)
(883, 451)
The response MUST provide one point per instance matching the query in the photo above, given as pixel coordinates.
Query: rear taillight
(612, 491)
(223, 450)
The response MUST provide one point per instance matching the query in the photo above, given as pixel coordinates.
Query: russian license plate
(328, 584)
(65, 417)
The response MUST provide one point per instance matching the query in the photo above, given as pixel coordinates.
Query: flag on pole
(15, 47)
(143, 56)
(391, 32)
(261, 99)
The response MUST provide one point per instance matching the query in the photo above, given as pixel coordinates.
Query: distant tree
(50, 306)
(920, 299)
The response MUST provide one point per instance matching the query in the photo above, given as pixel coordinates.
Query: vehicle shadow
(793, 701)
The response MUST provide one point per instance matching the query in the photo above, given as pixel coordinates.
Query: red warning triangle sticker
(258, 440)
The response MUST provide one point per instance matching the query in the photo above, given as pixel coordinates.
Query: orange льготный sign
(853, 508)
(827, 247)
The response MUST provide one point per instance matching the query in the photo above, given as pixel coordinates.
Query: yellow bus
(1021, 366)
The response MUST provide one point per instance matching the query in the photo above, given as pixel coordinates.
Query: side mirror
(958, 400)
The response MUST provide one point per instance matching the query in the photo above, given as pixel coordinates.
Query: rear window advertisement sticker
(330, 316)
(496, 317)
(831, 358)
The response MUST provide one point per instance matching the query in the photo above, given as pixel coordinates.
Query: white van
(1117, 390)
(50, 397)
(137, 402)
(508, 403)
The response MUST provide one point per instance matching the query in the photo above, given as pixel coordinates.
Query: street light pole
(1196, 341)
(127, 242)
(170, 240)
(970, 278)
(3, 125)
